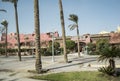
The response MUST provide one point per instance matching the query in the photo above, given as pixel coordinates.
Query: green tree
(74, 18)
(101, 44)
(70, 45)
(38, 64)
(17, 26)
(2, 45)
(5, 24)
(91, 47)
(63, 30)
(56, 48)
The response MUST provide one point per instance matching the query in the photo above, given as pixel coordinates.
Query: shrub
(70, 46)
(94, 53)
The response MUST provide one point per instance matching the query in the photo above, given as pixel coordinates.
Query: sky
(94, 15)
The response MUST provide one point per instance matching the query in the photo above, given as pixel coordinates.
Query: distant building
(95, 37)
(84, 39)
(115, 38)
(27, 40)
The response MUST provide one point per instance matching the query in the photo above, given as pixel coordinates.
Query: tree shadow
(5, 70)
(2, 79)
(73, 64)
(79, 59)
(13, 80)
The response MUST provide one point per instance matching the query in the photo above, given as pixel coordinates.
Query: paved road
(13, 70)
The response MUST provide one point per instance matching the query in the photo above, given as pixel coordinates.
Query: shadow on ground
(79, 62)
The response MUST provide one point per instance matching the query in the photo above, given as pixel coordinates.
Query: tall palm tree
(38, 64)
(74, 18)
(5, 24)
(63, 30)
(17, 27)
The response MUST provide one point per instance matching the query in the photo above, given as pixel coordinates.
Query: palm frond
(73, 18)
(3, 10)
(108, 53)
(13, 1)
(6, 0)
(2, 29)
(5, 23)
(103, 58)
(72, 26)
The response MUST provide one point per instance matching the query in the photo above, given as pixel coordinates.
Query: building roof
(115, 38)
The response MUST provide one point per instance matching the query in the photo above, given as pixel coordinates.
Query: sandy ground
(13, 70)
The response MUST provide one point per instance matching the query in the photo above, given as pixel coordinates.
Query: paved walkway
(13, 70)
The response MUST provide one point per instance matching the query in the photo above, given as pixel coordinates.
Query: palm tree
(38, 64)
(63, 30)
(109, 53)
(74, 18)
(5, 24)
(17, 27)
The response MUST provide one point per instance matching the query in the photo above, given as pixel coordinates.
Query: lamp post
(5, 24)
(53, 59)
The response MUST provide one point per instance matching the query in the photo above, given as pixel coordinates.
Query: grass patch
(76, 76)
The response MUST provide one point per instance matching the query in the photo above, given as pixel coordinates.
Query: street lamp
(53, 59)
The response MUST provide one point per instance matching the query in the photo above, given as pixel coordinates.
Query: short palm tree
(5, 24)
(38, 64)
(63, 30)
(17, 27)
(74, 18)
(109, 53)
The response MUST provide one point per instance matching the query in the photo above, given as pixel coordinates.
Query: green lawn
(77, 76)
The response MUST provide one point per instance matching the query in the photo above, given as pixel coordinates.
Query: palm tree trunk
(63, 30)
(17, 31)
(78, 44)
(38, 64)
(112, 63)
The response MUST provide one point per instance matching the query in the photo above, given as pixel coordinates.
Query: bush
(94, 52)
(2, 51)
(70, 46)
(48, 51)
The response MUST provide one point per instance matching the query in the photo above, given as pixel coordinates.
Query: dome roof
(103, 32)
(118, 29)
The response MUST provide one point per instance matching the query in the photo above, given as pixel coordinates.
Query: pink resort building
(27, 40)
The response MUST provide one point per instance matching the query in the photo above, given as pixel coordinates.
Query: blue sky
(94, 15)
